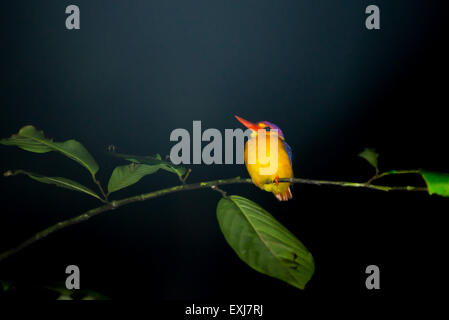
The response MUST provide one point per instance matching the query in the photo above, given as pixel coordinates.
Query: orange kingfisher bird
(269, 182)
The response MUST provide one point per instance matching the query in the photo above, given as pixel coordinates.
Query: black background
(137, 70)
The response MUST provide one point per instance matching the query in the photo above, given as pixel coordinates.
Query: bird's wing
(289, 151)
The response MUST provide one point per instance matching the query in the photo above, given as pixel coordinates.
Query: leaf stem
(105, 195)
(193, 186)
(223, 193)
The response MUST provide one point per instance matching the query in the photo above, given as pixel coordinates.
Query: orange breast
(264, 180)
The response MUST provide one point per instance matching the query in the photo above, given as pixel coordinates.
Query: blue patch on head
(289, 151)
(273, 126)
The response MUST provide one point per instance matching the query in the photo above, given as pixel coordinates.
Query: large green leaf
(263, 243)
(29, 139)
(124, 176)
(437, 183)
(58, 181)
(371, 156)
(152, 160)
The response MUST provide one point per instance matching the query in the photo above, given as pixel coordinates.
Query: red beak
(248, 124)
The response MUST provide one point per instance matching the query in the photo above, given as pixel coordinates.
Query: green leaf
(263, 243)
(58, 181)
(29, 139)
(4, 285)
(371, 156)
(437, 183)
(152, 160)
(124, 176)
(93, 295)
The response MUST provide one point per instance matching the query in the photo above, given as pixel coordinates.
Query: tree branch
(185, 187)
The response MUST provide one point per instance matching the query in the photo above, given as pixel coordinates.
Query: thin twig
(185, 187)
(392, 172)
(184, 179)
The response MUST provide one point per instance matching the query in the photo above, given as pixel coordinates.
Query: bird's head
(264, 125)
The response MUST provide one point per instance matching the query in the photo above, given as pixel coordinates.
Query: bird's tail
(284, 196)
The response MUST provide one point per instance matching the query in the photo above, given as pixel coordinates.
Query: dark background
(137, 70)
